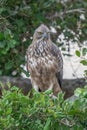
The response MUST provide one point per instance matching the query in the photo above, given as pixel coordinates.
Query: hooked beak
(45, 36)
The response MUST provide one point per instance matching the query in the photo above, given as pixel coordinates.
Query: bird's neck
(42, 47)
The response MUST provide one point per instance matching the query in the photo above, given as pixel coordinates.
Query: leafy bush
(83, 54)
(19, 112)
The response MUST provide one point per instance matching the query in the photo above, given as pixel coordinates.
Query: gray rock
(22, 83)
(69, 85)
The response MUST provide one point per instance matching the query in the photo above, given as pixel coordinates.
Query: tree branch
(61, 14)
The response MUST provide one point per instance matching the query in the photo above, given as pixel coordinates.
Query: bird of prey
(44, 62)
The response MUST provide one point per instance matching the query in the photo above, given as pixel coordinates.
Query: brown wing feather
(56, 53)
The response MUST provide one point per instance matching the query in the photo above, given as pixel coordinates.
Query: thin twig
(80, 10)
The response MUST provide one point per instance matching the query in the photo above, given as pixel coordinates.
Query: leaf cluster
(83, 55)
(42, 112)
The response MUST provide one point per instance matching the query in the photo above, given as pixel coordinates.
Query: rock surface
(69, 85)
(22, 83)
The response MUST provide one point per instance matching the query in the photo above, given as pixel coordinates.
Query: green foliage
(19, 112)
(19, 19)
(84, 62)
(84, 51)
(78, 53)
(83, 55)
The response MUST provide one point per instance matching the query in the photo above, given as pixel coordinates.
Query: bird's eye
(48, 32)
(40, 33)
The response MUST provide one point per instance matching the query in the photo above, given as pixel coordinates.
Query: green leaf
(84, 51)
(25, 72)
(1, 10)
(12, 43)
(9, 65)
(78, 92)
(1, 36)
(85, 31)
(84, 62)
(47, 125)
(2, 44)
(85, 72)
(60, 97)
(8, 35)
(0, 72)
(78, 53)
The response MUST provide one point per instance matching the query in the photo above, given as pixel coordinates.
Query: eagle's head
(42, 33)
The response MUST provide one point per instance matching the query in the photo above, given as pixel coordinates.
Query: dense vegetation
(19, 112)
(19, 18)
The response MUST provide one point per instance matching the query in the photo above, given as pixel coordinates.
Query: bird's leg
(31, 94)
(56, 89)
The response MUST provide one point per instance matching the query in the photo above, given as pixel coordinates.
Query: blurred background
(67, 20)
